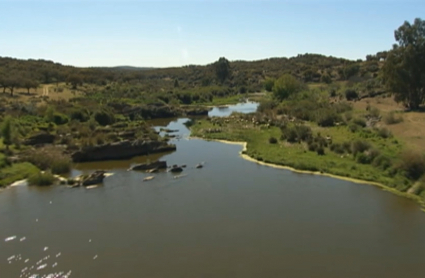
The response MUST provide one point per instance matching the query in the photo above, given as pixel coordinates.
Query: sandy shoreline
(358, 181)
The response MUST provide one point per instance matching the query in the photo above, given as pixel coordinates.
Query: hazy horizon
(177, 33)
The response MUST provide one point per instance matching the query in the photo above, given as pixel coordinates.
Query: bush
(359, 146)
(353, 127)
(363, 158)
(272, 140)
(384, 132)
(360, 122)
(382, 161)
(104, 117)
(41, 179)
(391, 118)
(303, 132)
(268, 84)
(320, 151)
(286, 86)
(80, 115)
(374, 112)
(327, 118)
(351, 94)
(61, 166)
(296, 133)
(312, 146)
(413, 164)
(337, 148)
(49, 158)
(59, 119)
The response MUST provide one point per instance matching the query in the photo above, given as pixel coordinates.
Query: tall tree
(404, 70)
(7, 131)
(286, 86)
(222, 69)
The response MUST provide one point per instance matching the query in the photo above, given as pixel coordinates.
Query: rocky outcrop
(121, 150)
(148, 166)
(176, 169)
(94, 178)
(40, 139)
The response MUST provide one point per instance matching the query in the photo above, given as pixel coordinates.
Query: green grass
(223, 100)
(15, 172)
(299, 157)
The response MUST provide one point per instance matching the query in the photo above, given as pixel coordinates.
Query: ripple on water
(42, 265)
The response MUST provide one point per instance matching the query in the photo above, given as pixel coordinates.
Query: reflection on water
(232, 218)
(223, 111)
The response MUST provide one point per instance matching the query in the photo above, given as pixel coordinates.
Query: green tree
(222, 69)
(7, 131)
(285, 86)
(404, 70)
(268, 84)
(29, 84)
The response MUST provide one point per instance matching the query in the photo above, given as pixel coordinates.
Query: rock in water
(176, 169)
(94, 178)
(150, 166)
(149, 178)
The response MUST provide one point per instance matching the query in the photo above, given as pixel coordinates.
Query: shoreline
(413, 197)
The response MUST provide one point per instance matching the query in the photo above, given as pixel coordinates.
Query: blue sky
(175, 33)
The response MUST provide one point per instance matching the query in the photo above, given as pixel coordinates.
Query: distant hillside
(128, 68)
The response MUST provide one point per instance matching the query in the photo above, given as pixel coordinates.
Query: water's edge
(358, 181)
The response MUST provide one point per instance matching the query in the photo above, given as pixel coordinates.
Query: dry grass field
(411, 130)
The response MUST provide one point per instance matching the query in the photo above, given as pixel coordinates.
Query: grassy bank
(298, 156)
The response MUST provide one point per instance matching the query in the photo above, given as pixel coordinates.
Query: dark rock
(121, 150)
(147, 166)
(176, 169)
(199, 166)
(94, 178)
(40, 139)
(198, 111)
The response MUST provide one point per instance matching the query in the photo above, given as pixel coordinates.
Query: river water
(232, 218)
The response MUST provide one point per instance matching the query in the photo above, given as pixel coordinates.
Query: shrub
(353, 127)
(413, 164)
(359, 146)
(303, 132)
(272, 140)
(104, 117)
(360, 122)
(49, 158)
(327, 118)
(347, 146)
(363, 158)
(374, 112)
(59, 119)
(384, 132)
(320, 151)
(391, 118)
(80, 115)
(268, 84)
(382, 161)
(289, 134)
(296, 133)
(41, 179)
(286, 86)
(351, 94)
(337, 148)
(61, 166)
(348, 116)
(312, 146)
